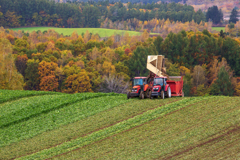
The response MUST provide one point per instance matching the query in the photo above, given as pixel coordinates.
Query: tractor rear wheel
(169, 92)
(150, 95)
(162, 94)
(141, 96)
(128, 95)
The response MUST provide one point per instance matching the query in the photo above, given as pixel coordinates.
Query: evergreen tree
(137, 64)
(214, 14)
(233, 16)
(223, 85)
(158, 42)
(222, 34)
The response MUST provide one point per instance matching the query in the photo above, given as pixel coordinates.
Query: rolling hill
(49, 125)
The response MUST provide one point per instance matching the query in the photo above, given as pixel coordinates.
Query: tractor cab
(138, 81)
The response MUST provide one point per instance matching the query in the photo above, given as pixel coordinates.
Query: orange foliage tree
(48, 80)
(46, 68)
(49, 83)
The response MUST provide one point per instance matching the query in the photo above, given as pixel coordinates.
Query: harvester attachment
(156, 64)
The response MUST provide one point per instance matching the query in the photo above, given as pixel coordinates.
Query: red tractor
(142, 87)
(167, 88)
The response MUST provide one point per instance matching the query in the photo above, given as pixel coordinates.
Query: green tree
(91, 16)
(138, 62)
(187, 84)
(233, 16)
(199, 16)
(223, 85)
(11, 19)
(214, 14)
(173, 70)
(222, 34)
(32, 80)
(158, 43)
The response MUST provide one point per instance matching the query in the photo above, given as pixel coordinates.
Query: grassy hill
(68, 31)
(41, 125)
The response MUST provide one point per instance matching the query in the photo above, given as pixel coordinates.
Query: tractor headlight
(134, 90)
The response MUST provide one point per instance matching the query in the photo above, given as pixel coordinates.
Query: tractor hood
(138, 86)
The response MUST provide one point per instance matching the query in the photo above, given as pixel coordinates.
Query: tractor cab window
(158, 81)
(138, 82)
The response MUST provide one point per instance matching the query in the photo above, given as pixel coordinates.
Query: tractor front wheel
(162, 94)
(128, 95)
(169, 92)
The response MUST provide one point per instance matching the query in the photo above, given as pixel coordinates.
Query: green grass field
(101, 31)
(48, 125)
(68, 31)
(218, 29)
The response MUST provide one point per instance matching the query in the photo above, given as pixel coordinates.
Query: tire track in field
(235, 129)
(25, 96)
(211, 153)
(102, 127)
(193, 126)
(124, 130)
(207, 120)
(214, 152)
(199, 124)
(49, 110)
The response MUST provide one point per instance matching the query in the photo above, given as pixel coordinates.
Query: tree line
(52, 62)
(16, 13)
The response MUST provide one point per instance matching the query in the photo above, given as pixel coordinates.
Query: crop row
(56, 118)
(12, 113)
(115, 129)
(191, 131)
(85, 126)
(9, 95)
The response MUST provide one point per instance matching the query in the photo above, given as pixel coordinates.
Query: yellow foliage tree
(184, 70)
(109, 54)
(86, 36)
(94, 54)
(74, 36)
(237, 89)
(108, 68)
(144, 36)
(78, 83)
(9, 77)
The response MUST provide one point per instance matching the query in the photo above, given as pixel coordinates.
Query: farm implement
(157, 83)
